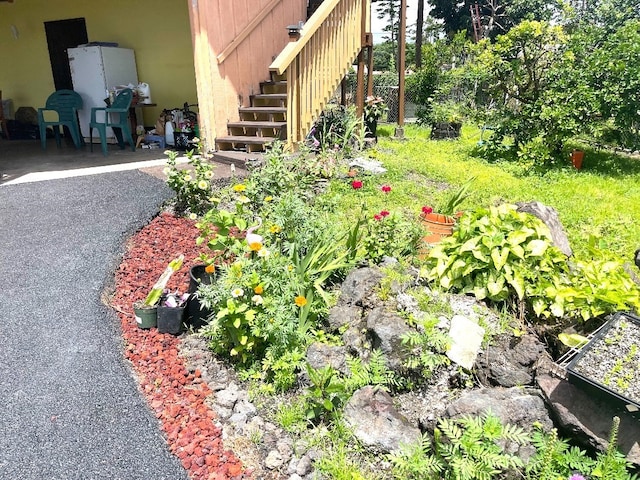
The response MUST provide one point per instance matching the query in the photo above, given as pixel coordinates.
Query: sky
(378, 25)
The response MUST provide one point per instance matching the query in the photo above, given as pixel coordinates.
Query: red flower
(385, 188)
(427, 210)
(356, 184)
(384, 213)
(377, 216)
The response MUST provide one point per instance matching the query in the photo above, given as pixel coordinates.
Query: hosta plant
(502, 255)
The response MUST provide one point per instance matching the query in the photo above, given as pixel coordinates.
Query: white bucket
(144, 92)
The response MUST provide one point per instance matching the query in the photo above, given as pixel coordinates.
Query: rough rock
(387, 329)
(320, 355)
(342, 315)
(357, 288)
(466, 340)
(409, 304)
(376, 422)
(304, 466)
(274, 460)
(549, 216)
(516, 406)
(228, 397)
(587, 419)
(509, 361)
(356, 341)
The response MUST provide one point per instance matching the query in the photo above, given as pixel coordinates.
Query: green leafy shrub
(388, 234)
(191, 185)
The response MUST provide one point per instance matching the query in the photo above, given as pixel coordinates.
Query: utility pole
(402, 43)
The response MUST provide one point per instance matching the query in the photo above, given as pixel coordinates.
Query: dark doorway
(63, 34)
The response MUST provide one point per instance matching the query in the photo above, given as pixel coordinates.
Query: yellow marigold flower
(275, 229)
(240, 187)
(290, 268)
(211, 268)
(258, 290)
(203, 184)
(255, 246)
(300, 301)
(268, 198)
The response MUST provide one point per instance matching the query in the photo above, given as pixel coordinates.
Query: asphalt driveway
(70, 405)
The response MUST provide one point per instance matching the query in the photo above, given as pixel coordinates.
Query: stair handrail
(317, 62)
(246, 31)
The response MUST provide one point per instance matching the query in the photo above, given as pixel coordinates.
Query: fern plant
(468, 448)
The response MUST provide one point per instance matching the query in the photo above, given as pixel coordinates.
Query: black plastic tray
(596, 388)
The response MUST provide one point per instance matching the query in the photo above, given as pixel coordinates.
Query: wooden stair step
(280, 97)
(252, 140)
(256, 124)
(266, 110)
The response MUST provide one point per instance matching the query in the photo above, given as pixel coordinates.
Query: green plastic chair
(117, 117)
(66, 104)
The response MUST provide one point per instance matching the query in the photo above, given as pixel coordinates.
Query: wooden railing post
(329, 43)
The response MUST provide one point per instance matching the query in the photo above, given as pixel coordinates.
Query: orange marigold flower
(258, 290)
(300, 301)
(210, 268)
(255, 246)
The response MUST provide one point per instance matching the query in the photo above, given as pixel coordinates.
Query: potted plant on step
(146, 311)
(374, 108)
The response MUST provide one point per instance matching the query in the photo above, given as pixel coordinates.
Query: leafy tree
(497, 16)
(532, 80)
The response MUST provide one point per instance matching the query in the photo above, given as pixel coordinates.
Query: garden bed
(609, 365)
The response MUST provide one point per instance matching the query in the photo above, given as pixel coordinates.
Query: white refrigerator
(94, 71)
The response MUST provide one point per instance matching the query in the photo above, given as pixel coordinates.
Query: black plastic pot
(170, 319)
(197, 315)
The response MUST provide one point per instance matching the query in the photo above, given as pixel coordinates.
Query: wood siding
(226, 83)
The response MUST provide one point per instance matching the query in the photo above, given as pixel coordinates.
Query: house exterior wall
(224, 86)
(158, 31)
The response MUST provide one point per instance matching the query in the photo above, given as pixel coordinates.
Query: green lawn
(603, 198)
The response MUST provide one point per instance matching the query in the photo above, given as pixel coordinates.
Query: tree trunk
(419, 24)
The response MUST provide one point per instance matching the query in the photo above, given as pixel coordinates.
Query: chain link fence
(385, 85)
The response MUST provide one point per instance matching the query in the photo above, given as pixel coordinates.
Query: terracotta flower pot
(437, 226)
(577, 156)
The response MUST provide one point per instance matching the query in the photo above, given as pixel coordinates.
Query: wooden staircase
(260, 124)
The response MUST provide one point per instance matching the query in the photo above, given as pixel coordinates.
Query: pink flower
(377, 216)
(385, 188)
(427, 210)
(384, 213)
(356, 184)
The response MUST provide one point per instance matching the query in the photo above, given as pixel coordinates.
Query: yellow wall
(158, 31)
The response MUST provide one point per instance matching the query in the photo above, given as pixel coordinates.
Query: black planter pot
(197, 315)
(370, 128)
(170, 319)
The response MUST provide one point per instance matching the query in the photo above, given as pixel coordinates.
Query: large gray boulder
(320, 355)
(509, 361)
(358, 287)
(515, 406)
(375, 421)
(550, 217)
(386, 330)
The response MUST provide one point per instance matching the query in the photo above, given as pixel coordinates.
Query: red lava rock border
(176, 395)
